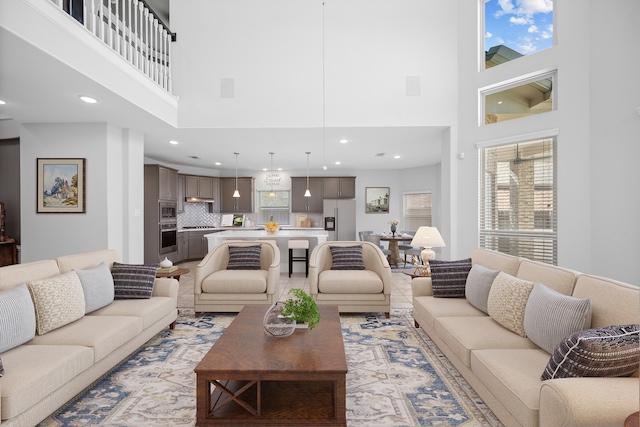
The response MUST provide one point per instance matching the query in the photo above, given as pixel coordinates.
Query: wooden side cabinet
(8, 252)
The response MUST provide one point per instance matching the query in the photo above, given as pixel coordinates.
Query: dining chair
(375, 239)
(363, 233)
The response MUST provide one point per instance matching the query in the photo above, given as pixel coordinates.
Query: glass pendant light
(236, 193)
(307, 193)
(271, 193)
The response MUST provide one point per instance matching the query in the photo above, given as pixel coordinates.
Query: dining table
(394, 257)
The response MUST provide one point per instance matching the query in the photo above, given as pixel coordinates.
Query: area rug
(397, 377)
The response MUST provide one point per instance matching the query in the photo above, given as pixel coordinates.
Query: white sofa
(218, 289)
(353, 291)
(44, 373)
(504, 368)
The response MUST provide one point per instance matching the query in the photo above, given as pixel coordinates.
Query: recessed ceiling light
(217, 163)
(264, 169)
(2, 102)
(279, 169)
(173, 142)
(88, 99)
(344, 141)
(337, 163)
(396, 157)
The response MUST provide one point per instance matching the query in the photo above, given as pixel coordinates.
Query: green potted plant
(302, 308)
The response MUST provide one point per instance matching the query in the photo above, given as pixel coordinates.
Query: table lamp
(428, 237)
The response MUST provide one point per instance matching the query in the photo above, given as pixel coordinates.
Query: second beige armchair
(353, 291)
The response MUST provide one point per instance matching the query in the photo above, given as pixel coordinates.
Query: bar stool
(299, 244)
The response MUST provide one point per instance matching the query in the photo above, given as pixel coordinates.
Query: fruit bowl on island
(271, 227)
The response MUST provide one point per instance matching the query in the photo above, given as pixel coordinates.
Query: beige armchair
(353, 291)
(217, 289)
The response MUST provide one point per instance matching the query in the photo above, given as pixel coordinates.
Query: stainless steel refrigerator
(340, 219)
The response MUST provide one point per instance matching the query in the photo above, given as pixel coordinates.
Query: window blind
(417, 211)
(518, 199)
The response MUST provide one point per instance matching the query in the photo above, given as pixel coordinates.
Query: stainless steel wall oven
(168, 238)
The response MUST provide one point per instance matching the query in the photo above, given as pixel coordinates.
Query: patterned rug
(397, 377)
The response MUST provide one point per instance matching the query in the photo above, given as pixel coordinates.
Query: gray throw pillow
(17, 317)
(550, 316)
(449, 278)
(346, 257)
(1, 369)
(244, 257)
(611, 351)
(131, 281)
(478, 285)
(97, 284)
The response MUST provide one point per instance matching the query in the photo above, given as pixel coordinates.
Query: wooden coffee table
(174, 274)
(249, 378)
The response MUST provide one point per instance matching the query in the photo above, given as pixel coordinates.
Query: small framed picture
(376, 200)
(61, 186)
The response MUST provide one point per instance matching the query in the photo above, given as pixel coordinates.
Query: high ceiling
(41, 89)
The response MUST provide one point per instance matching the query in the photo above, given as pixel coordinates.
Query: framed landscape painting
(61, 186)
(376, 200)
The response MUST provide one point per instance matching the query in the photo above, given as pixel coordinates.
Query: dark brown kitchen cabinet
(343, 187)
(168, 183)
(242, 204)
(199, 186)
(312, 204)
(197, 244)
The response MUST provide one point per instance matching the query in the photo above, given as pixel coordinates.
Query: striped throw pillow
(550, 316)
(17, 317)
(1, 369)
(449, 278)
(244, 257)
(347, 257)
(133, 281)
(611, 351)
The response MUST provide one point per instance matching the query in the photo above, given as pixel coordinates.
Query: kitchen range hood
(198, 200)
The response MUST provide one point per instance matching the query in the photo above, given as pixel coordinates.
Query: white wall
(108, 185)
(273, 51)
(587, 129)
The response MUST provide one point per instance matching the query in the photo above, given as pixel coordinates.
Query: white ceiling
(40, 89)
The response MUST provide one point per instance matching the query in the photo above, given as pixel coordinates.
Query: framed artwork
(376, 200)
(61, 186)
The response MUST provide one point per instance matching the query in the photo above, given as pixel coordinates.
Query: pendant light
(236, 193)
(307, 193)
(271, 193)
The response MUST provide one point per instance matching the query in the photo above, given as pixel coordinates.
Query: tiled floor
(400, 286)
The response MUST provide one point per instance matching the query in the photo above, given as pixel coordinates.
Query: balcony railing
(131, 29)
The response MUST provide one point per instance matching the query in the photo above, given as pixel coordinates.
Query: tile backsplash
(197, 214)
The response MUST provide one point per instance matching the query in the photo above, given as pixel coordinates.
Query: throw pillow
(97, 284)
(346, 257)
(478, 285)
(244, 257)
(507, 301)
(133, 281)
(551, 316)
(17, 317)
(1, 369)
(611, 351)
(58, 301)
(449, 278)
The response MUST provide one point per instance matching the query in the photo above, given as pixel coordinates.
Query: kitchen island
(315, 236)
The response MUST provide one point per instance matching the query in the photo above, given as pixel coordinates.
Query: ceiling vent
(380, 154)
(195, 157)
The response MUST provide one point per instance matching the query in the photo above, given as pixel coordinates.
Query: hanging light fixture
(324, 165)
(307, 193)
(271, 193)
(236, 193)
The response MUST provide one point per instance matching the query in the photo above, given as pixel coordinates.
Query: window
(274, 208)
(515, 29)
(520, 99)
(518, 199)
(416, 211)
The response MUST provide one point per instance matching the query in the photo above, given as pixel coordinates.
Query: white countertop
(280, 234)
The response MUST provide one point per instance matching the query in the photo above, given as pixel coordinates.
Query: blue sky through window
(525, 26)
